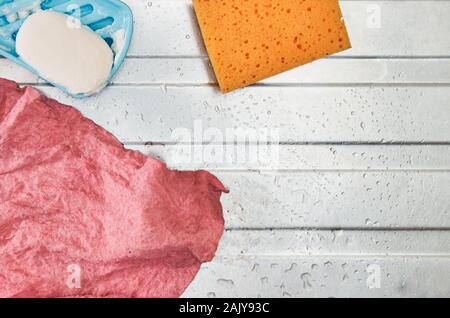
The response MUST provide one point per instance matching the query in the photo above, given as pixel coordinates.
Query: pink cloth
(74, 201)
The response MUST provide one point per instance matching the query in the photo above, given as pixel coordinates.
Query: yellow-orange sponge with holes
(250, 40)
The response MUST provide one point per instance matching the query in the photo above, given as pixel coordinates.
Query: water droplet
(227, 283)
(306, 278)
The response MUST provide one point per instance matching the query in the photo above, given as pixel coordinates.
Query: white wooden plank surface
(345, 276)
(406, 28)
(326, 71)
(289, 158)
(327, 264)
(337, 199)
(300, 114)
(197, 71)
(326, 243)
(362, 175)
(362, 186)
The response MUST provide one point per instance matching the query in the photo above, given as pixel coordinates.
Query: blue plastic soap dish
(111, 19)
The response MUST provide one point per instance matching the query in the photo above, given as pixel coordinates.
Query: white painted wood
(315, 276)
(197, 71)
(304, 157)
(407, 28)
(326, 243)
(327, 264)
(326, 71)
(337, 199)
(331, 186)
(298, 114)
(169, 28)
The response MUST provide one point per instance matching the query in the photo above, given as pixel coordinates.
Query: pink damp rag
(80, 216)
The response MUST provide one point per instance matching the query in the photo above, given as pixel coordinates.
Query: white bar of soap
(65, 53)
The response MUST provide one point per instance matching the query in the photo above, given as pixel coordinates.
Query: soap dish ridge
(110, 19)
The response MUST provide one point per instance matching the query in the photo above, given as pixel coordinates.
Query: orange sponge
(250, 40)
